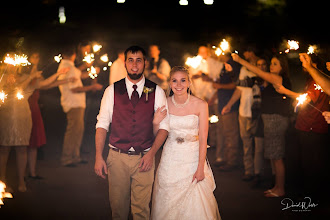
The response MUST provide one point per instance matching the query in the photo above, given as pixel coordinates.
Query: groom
(129, 106)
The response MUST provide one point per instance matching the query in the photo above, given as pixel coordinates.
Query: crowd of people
(251, 95)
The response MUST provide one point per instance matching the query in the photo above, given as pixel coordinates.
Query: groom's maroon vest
(132, 126)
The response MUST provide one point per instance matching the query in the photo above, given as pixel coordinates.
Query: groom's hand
(100, 165)
(146, 162)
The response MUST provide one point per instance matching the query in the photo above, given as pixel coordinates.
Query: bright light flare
(19, 95)
(208, 2)
(104, 58)
(311, 49)
(224, 45)
(92, 73)
(318, 87)
(3, 193)
(3, 96)
(58, 58)
(218, 51)
(293, 45)
(89, 58)
(194, 62)
(17, 60)
(96, 47)
(301, 99)
(183, 2)
(213, 119)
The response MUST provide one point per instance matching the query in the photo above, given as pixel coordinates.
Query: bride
(184, 183)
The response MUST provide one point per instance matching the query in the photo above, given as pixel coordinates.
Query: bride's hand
(159, 115)
(199, 175)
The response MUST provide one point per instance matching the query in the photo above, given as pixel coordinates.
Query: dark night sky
(165, 22)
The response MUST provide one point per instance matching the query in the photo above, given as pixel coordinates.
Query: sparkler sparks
(3, 193)
(89, 58)
(17, 60)
(96, 47)
(194, 62)
(318, 87)
(311, 49)
(224, 45)
(213, 119)
(92, 73)
(104, 58)
(293, 45)
(3, 96)
(19, 95)
(58, 58)
(301, 99)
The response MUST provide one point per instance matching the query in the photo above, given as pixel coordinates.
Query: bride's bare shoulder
(197, 101)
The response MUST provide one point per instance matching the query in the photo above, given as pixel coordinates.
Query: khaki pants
(128, 185)
(73, 136)
(228, 138)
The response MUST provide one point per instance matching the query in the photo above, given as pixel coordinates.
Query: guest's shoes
(70, 165)
(226, 168)
(247, 177)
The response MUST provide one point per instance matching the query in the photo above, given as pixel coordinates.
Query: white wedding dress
(175, 196)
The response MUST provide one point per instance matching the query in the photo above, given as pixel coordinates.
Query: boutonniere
(147, 90)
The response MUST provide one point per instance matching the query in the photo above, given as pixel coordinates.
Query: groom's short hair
(135, 49)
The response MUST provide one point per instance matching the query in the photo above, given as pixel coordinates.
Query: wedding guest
(227, 127)
(38, 135)
(16, 122)
(117, 69)
(312, 134)
(158, 69)
(73, 101)
(203, 76)
(275, 114)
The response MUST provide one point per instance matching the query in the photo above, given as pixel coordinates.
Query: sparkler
(58, 58)
(293, 45)
(92, 73)
(213, 119)
(318, 87)
(19, 95)
(194, 62)
(3, 193)
(302, 99)
(96, 47)
(89, 58)
(17, 60)
(3, 96)
(104, 58)
(224, 45)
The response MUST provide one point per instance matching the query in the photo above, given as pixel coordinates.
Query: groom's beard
(135, 76)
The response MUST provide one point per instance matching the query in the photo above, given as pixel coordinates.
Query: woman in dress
(38, 135)
(184, 183)
(275, 111)
(15, 120)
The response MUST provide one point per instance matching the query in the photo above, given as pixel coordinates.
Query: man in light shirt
(73, 101)
(117, 69)
(129, 105)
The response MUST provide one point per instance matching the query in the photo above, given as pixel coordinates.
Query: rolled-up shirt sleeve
(104, 118)
(160, 100)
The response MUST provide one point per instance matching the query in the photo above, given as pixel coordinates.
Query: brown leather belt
(128, 152)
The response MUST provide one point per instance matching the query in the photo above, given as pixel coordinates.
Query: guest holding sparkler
(15, 120)
(275, 114)
(73, 101)
(38, 136)
(312, 132)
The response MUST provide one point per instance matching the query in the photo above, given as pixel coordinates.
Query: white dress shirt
(71, 99)
(246, 94)
(117, 71)
(104, 118)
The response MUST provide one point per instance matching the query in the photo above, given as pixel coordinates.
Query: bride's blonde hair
(179, 69)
